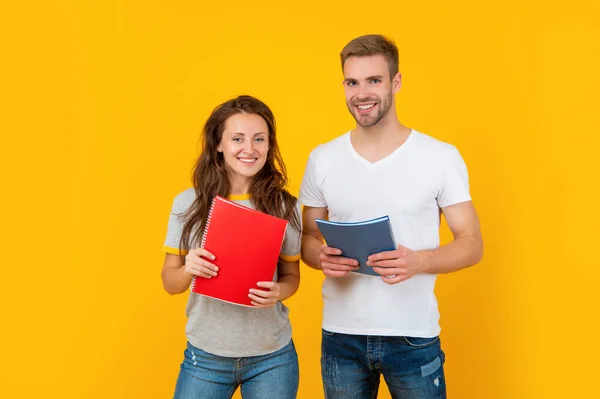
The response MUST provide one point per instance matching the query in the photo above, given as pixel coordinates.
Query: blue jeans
(204, 375)
(351, 366)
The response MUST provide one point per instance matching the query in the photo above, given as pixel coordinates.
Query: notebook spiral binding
(210, 212)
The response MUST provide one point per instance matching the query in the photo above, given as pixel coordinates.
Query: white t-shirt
(409, 185)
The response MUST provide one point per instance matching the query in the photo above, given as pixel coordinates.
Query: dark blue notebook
(358, 240)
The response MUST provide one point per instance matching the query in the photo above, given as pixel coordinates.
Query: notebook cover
(358, 240)
(246, 244)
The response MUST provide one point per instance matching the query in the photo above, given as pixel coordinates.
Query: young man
(389, 324)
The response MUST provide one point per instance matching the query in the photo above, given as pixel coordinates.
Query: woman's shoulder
(184, 199)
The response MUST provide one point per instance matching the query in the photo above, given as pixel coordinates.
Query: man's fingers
(386, 255)
(330, 251)
(338, 260)
(337, 266)
(389, 271)
(387, 263)
(393, 280)
(335, 273)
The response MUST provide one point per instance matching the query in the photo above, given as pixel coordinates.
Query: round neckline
(238, 197)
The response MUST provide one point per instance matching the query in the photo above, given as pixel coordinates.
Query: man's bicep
(309, 226)
(462, 219)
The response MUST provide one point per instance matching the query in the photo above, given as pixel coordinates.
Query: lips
(365, 108)
(247, 161)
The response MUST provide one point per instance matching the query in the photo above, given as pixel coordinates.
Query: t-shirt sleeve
(311, 193)
(454, 186)
(174, 228)
(290, 250)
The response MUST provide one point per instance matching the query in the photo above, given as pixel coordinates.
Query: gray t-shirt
(225, 329)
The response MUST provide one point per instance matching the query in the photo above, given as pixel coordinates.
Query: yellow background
(103, 102)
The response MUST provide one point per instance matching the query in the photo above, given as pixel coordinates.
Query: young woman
(230, 345)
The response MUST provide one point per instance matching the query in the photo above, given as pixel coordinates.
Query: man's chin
(366, 122)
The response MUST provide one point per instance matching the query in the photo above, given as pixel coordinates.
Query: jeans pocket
(327, 333)
(417, 342)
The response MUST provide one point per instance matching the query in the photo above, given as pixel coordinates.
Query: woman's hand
(265, 299)
(197, 265)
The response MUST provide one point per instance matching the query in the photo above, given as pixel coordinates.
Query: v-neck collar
(383, 160)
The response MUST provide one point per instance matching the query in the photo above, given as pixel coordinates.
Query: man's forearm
(459, 254)
(310, 250)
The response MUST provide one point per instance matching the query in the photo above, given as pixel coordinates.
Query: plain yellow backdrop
(102, 107)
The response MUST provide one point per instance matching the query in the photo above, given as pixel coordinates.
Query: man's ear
(397, 82)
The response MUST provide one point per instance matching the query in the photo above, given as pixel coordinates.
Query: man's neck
(377, 142)
(385, 133)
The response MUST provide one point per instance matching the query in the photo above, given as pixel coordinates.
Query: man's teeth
(364, 107)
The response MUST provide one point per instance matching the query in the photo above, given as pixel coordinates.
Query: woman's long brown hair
(267, 188)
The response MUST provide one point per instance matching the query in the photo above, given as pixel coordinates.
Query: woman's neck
(239, 186)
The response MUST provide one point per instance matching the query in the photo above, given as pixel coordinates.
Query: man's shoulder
(432, 145)
(331, 147)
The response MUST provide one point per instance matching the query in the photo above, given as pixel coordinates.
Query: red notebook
(246, 244)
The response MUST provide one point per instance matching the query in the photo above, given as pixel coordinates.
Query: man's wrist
(425, 264)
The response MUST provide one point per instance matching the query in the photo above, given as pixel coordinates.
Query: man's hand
(398, 265)
(334, 265)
